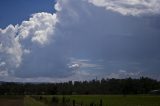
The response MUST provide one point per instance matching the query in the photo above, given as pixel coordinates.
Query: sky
(62, 40)
(16, 11)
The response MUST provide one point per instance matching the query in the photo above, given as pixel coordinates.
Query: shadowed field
(11, 101)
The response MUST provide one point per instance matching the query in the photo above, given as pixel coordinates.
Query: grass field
(29, 101)
(81, 100)
(117, 100)
(108, 100)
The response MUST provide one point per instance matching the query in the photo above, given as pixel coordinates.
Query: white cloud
(10, 47)
(40, 28)
(27, 51)
(130, 7)
(58, 6)
(2, 64)
(124, 74)
(129, 74)
(84, 64)
(74, 66)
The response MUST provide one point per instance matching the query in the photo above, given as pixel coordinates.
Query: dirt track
(11, 102)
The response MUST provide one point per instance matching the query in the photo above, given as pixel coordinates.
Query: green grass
(116, 100)
(29, 101)
(107, 100)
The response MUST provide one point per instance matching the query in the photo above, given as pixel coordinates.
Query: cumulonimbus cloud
(130, 7)
(81, 29)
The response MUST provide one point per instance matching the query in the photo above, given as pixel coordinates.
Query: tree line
(126, 86)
